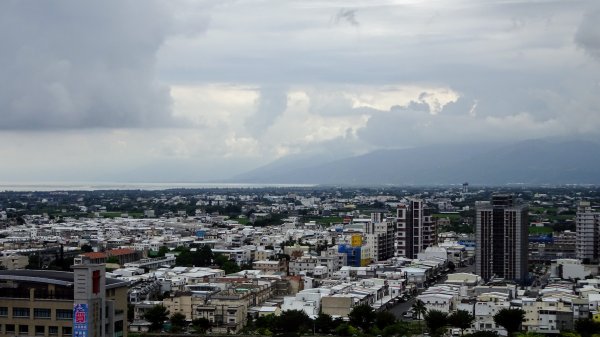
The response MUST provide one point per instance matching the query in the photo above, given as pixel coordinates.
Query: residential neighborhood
(231, 258)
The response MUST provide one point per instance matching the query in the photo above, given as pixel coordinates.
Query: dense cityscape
(293, 168)
(389, 261)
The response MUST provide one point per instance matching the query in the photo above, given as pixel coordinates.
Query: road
(400, 308)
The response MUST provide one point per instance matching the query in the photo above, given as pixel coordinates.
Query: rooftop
(62, 278)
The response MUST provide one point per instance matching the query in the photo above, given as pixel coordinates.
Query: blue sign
(80, 320)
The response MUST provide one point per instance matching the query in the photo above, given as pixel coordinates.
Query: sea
(95, 186)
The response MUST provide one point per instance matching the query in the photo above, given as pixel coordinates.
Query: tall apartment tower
(501, 239)
(380, 234)
(587, 226)
(416, 228)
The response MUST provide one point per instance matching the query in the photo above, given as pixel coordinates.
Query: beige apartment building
(13, 262)
(41, 303)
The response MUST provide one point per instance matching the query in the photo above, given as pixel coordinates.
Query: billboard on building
(80, 320)
(356, 240)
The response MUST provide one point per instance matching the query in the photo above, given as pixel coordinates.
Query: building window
(10, 328)
(67, 331)
(53, 330)
(23, 329)
(64, 314)
(20, 312)
(3, 311)
(41, 313)
(40, 330)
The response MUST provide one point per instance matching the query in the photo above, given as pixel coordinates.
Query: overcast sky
(182, 90)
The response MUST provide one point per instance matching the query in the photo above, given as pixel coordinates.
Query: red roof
(122, 251)
(95, 255)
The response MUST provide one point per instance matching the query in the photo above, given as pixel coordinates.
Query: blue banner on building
(80, 320)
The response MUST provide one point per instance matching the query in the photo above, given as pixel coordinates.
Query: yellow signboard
(356, 240)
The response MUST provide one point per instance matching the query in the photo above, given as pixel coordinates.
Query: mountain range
(526, 162)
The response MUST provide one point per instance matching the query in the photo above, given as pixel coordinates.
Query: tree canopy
(157, 315)
(419, 308)
(587, 327)
(362, 316)
(461, 319)
(178, 322)
(435, 321)
(510, 319)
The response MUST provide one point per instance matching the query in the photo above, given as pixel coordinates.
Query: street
(400, 308)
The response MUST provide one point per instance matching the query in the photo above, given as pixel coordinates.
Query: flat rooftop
(63, 278)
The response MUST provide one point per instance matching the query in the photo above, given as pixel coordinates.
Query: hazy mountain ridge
(530, 162)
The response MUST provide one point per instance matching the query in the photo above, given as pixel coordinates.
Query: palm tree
(419, 308)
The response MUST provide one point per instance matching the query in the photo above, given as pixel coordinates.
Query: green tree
(483, 333)
(383, 319)
(162, 251)
(87, 248)
(157, 315)
(510, 319)
(587, 327)
(346, 329)
(419, 308)
(324, 323)
(265, 322)
(398, 329)
(362, 316)
(230, 267)
(436, 320)
(293, 321)
(178, 322)
(461, 319)
(530, 334)
(112, 259)
(35, 262)
(200, 325)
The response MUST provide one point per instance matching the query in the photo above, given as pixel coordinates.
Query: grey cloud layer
(71, 64)
(522, 69)
(588, 34)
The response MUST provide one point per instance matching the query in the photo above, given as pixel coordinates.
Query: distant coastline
(93, 186)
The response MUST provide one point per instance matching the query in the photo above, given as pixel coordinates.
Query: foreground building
(502, 239)
(61, 304)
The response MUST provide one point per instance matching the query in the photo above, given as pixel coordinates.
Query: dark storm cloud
(271, 103)
(588, 34)
(74, 64)
(348, 16)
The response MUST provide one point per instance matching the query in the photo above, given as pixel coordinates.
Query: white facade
(587, 223)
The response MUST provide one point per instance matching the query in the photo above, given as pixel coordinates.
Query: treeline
(204, 257)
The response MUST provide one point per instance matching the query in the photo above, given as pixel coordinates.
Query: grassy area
(540, 230)
(561, 217)
(451, 216)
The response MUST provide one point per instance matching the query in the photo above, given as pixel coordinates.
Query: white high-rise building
(587, 225)
(380, 234)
